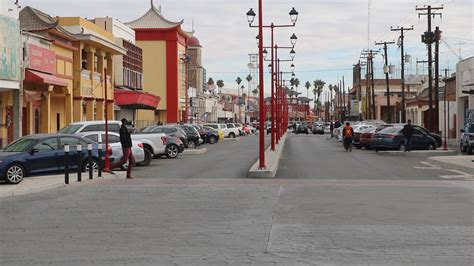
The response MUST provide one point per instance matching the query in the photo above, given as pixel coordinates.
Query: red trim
(136, 99)
(173, 34)
(63, 45)
(43, 78)
(172, 99)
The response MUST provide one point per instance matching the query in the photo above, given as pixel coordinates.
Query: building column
(100, 110)
(90, 56)
(100, 62)
(68, 106)
(77, 110)
(30, 116)
(46, 111)
(110, 110)
(110, 90)
(89, 110)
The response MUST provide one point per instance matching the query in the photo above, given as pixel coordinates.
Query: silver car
(114, 143)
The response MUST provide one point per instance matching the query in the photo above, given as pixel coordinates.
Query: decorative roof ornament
(153, 19)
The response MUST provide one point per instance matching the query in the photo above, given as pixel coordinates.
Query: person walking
(408, 133)
(126, 142)
(348, 133)
(331, 128)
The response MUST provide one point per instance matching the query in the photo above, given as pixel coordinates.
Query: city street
(326, 206)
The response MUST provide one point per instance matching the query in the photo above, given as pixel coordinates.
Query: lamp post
(106, 111)
(238, 80)
(250, 17)
(249, 78)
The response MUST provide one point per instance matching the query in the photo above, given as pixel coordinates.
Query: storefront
(131, 101)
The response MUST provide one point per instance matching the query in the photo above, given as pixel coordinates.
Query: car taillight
(391, 136)
(109, 149)
(140, 145)
(165, 140)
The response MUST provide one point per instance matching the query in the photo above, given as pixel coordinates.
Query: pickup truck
(229, 131)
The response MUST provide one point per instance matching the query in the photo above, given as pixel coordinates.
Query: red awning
(136, 99)
(43, 78)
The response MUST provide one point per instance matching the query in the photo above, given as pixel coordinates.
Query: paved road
(345, 216)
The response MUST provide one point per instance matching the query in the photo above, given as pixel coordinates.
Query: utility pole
(387, 81)
(428, 38)
(343, 99)
(436, 89)
(370, 54)
(402, 72)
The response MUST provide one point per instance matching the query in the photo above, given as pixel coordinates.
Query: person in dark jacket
(126, 142)
(408, 133)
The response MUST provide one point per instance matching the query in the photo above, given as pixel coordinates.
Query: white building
(464, 83)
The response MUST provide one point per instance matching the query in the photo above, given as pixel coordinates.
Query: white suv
(229, 132)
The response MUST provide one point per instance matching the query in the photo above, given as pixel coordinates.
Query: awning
(136, 99)
(43, 78)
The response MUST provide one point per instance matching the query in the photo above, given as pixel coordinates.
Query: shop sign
(41, 59)
(9, 48)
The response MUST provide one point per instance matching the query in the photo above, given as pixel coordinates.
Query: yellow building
(93, 54)
(164, 44)
(48, 80)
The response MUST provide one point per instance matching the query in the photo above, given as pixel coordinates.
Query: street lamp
(248, 78)
(238, 80)
(292, 53)
(293, 39)
(270, 68)
(251, 16)
(293, 15)
(265, 53)
(292, 69)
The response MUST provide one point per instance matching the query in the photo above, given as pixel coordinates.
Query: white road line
(460, 174)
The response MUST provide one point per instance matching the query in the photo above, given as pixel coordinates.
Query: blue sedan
(42, 153)
(392, 138)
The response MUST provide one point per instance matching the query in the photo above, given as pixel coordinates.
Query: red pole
(277, 105)
(272, 100)
(446, 125)
(261, 92)
(107, 158)
(186, 104)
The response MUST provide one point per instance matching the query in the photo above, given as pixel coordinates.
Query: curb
(418, 153)
(194, 151)
(447, 165)
(36, 184)
(272, 160)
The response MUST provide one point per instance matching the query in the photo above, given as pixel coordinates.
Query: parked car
(318, 128)
(208, 135)
(228, 132)
(142, 156)
(365, 138)
(391, 138)
(302, 128)
(43, 153)
(170, 131)
(239, 127)
(358, 129)
(467, 138)
(192, 136)
(220, 132)
(91, 126)
(232, 130)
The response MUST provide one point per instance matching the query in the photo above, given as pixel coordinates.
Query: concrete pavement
(325, 208)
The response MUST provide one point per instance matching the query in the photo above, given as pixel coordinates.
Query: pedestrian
(331, 128)
(126, 142)
(408, 133)
(348, 133)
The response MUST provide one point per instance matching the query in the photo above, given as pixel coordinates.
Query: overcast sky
(331, 33)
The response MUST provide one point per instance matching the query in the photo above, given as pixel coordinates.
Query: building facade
(93, 94)
(465, 92)
(10, 72)
(164, 46)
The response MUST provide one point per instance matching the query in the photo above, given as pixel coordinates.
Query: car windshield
(71, 129)
(21, 145)
(389, 130)
(147, 129)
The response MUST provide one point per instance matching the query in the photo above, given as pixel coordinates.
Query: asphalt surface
(316, 212)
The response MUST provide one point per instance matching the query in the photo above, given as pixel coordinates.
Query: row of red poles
(278, 100)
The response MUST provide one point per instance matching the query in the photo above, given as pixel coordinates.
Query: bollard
(89, 155)
(100, 160)
(66, 164)
(79, 162)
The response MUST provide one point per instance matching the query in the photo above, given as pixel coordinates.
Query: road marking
(460, 175)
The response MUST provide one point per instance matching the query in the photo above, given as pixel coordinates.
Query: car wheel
(172, 151)
(212, 140)
(357, 146)
(232, 135)
(469, 150)
(191, 144)
(462, 148)
(95, 166)
(14, 174)
(432, 147)
(147, 160)
(368, 147)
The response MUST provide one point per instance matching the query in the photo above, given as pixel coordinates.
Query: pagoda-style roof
(33, 20)
(153, 19)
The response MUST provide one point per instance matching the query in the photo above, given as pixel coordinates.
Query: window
(112, 138)
(58, 121)
(72, 142)
(94, 138)
(230, 126)
(212, 126)
(50, 144)
(113, 128)
(158, 130)
(71, 129)
(91, 128)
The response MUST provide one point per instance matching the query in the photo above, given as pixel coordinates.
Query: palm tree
(220, 84)
(307, 85)
(210, 81)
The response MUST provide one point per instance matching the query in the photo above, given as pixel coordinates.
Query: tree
(220, 84)
(210, 82)
(307, 85)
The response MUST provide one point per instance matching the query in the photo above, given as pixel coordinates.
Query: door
(419, 140)
(45, 156)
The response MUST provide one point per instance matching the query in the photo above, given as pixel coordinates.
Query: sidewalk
(460, 162)
(35, 184)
